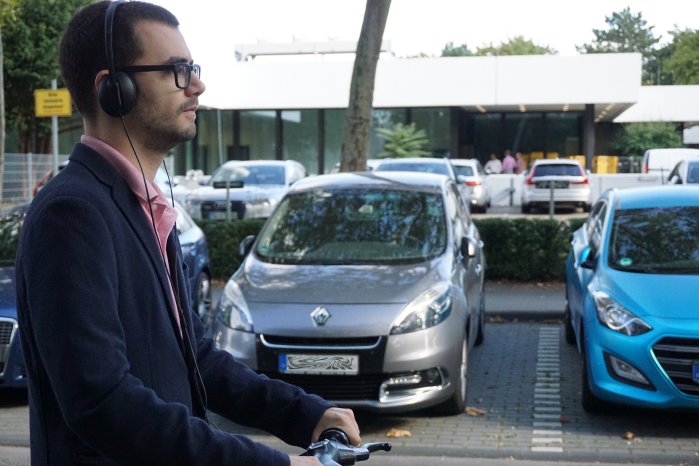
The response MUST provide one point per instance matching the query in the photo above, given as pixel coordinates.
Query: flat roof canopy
(664, 103)
(610, 82)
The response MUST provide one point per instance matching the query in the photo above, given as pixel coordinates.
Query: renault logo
(320, 315)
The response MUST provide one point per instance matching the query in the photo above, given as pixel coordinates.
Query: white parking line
(546, 418)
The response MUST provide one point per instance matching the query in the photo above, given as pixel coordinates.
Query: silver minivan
(364, 288)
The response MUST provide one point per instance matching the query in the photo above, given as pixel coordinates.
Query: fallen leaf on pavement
(629, 436)
(474, 411)
(564, 420)
(398, 433)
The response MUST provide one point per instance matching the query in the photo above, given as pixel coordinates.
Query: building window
(383, 118)
(257, 135)
(524, 132)
(437, 123)
(487, 136)
(300, 138)
(334, 127)
(562, 135)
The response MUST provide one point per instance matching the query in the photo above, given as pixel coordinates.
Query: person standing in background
(520, 163)
(493, 166)
(508, 162)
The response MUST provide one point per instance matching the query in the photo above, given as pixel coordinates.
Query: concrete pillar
(589, 134)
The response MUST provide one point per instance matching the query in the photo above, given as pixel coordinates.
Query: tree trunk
(355, 139)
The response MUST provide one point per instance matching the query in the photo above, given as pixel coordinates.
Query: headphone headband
(108, 36)
(117, 91)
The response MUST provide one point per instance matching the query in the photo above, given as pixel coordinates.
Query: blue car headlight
(616, 317)
(425, 311)
(233, 309)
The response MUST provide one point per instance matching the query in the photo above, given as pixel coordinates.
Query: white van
(662, 161)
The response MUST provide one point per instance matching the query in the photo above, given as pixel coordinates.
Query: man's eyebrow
(175, 60)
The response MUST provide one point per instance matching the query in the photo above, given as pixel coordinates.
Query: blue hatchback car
(632, 289)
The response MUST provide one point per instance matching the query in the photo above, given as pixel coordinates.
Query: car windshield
(249, 174)
(463, 171)
(557, 170)
(438, 168)
(358, 226)
(656, 240)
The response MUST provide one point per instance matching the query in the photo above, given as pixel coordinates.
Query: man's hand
(304, 461)
(342, 419)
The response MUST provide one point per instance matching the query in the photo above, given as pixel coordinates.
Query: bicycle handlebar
(333, 449)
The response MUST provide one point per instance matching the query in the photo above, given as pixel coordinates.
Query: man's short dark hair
(82, 50)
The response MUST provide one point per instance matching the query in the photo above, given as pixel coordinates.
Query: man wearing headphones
(119, 369)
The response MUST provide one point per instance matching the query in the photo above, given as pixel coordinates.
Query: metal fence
(22, 174)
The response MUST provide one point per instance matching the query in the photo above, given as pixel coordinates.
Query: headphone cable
(174, 284)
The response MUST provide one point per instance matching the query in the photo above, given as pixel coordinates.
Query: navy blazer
(111, 379)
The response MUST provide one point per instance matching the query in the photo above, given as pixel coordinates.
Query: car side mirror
(468, 247)
(246, 245)
(587, 258)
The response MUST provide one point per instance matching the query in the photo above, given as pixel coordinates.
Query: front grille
(359, 342)
(677, 357)
(6, 328)
(336, 387)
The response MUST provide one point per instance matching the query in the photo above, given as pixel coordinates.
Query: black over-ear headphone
(117, 92)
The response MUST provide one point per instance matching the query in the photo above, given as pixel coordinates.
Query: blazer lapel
(141, 224)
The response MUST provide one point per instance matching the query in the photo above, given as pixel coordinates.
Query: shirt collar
(132, 175)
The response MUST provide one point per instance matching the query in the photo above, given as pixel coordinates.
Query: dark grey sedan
(364, 288)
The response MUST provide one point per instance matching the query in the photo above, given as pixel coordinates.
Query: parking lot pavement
(525, 300)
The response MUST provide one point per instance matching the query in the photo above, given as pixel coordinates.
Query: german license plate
(327, 364)
(555, 184)
(695, 371)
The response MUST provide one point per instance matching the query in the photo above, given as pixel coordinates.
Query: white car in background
(567, 177)
(470, 172)
(685, 172)
(244, 189)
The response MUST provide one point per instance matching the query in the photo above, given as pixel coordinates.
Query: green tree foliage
(636, 138)
(683, 62)
(30, 62)
(626, 32)
(518, 45)
(451, 50)
(403, 141)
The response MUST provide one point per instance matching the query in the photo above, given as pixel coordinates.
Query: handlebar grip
(336, 434)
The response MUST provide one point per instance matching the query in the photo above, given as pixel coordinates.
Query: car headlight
(233, 309)
(616, 317)
(425, 311)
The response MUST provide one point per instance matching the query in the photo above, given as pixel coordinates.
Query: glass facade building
(314, 137)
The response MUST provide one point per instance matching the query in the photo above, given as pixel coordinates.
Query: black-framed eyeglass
(182, 71)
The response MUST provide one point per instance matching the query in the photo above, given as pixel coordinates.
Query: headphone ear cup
(117, 95)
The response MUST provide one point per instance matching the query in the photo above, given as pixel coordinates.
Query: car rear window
(439, 168)
(358, 226)
(693, 173)
(656, 240)
(557, 170)
(463, 171)
(252, 174)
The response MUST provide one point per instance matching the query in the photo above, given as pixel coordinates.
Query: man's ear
(99, 77)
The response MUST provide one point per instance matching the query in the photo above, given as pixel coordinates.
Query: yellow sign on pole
(52, 102)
